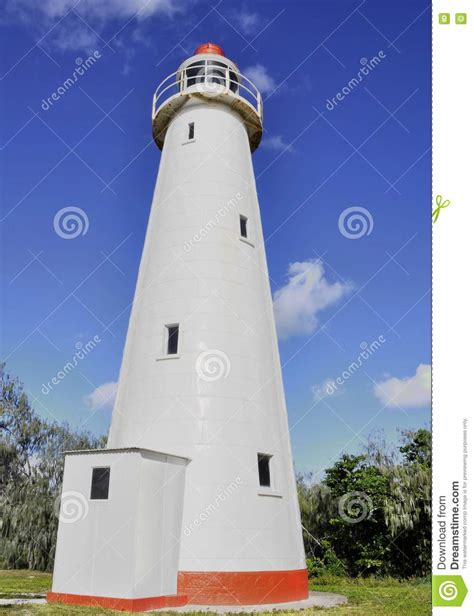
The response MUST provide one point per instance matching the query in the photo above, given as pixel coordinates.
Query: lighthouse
(194, 499)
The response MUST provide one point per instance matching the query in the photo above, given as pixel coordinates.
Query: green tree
(408, 508)
(417, 447)
(358, 530)
(31, 466)
(318, 506)
(371, 514)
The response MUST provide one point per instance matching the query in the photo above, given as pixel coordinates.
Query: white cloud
(74, 26)
(410, 391)
(102, 9)
(103, 397)
(247, 21)
(307, 292)
(75, 37)
(276, 142)
(259, 76)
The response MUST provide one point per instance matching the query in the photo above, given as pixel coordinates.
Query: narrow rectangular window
(264, 470)
(191, 130)
(100, 483)
(243, 226)
(172, 343)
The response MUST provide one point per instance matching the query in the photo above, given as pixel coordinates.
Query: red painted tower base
(243, 588)
(115, 603)
(209, 588)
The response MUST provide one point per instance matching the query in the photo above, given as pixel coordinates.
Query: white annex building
(194, 499)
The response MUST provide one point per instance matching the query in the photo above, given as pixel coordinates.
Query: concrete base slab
(10, 602)
(315, 599)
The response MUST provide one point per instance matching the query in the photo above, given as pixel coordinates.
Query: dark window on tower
(191, 130)
(264, 470)
(172, 344)
(100, 483)
(243, 226)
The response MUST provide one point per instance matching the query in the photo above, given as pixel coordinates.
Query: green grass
(378, 597)
(13, 583)
(367, 597)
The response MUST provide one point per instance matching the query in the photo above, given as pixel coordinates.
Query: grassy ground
(368, 597)
(372, 597)
(13, 583)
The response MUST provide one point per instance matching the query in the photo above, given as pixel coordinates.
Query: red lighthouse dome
(210, 48)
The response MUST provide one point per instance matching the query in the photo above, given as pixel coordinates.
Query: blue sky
(92, 149)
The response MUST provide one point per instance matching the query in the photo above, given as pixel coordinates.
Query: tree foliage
(31, 467)
(372, 512)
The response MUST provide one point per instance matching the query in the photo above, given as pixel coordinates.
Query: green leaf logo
(448, 590)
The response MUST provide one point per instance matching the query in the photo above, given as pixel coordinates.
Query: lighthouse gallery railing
(211, 78)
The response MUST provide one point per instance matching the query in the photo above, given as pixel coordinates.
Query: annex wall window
(243, 226)
(100, 483)
(264, 470)
(191, 130)
(172, 332)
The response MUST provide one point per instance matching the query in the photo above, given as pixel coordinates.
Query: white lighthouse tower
(194, 500)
